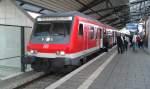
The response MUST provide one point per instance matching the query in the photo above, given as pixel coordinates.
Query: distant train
(66, 39)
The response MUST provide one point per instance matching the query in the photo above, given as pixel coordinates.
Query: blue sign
(132, 26)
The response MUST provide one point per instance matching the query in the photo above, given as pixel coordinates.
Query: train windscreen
(52, 32)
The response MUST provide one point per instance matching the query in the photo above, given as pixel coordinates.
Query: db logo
(45, 46)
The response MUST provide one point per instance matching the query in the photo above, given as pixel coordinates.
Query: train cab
(64, 39)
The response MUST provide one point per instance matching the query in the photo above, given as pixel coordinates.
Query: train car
(64, 39)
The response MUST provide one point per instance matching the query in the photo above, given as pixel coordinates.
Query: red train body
(66, 39)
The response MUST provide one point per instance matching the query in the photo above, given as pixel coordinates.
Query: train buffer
(129, 70)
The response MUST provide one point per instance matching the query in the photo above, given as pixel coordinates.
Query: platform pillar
(23, 65)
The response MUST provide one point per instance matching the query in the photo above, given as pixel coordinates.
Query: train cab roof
(73, 13)
(67, 14)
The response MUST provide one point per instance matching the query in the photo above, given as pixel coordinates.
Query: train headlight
(62, 53)
(33, 51)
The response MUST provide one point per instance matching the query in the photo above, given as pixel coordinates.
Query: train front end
(49, 45)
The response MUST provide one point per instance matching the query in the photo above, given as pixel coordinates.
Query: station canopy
(115, 13)
(139, 9)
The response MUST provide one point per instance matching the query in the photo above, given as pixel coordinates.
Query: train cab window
(91, 32)
(81, 29)
(54, 28)
(59, 31)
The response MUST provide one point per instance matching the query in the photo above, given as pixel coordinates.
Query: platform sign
(132, 26)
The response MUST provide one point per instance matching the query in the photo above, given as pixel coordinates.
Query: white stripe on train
(73, 55)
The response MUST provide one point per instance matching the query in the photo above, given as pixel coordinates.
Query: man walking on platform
(120, 44)
(126, 41)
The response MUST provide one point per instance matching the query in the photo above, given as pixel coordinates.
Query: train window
(39, 29)
(53, 28)
(91, 32)
(81, 29)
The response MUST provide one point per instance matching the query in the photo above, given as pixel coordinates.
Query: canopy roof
(112, 12)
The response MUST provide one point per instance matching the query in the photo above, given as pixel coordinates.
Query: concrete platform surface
(6, 72)
(130, 70)
(77, 77)
(13, 82)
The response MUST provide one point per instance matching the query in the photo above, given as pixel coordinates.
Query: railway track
(42, 82)
(45, 80)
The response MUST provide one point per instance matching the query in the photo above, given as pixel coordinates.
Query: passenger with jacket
(120, 44)
(130, 41)
(139, 41)
(105, 42)
(126, 40)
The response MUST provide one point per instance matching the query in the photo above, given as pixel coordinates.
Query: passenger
(126, 40)
(141, 43)
(138, 38)
(105, 42)
(134, 42)
(119, 44)
(123, 44)
(130, 39)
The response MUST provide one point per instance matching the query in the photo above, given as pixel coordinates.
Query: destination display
(54, 18)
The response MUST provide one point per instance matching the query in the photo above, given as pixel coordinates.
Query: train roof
(72, 13)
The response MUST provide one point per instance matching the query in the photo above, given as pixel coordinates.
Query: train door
(98, 37)
(83, 32)
(101, 37)
(113, 37)
(105, 40)
(85, 35)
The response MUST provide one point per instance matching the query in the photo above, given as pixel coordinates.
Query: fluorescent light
(34, 15)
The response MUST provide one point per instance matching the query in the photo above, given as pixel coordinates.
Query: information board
(132, 26)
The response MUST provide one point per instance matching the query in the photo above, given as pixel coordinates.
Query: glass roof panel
(31, 7)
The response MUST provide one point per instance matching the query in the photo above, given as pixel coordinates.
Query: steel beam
(87, 7)
(112, 12)
(113, 20)
(137, 2)
(105, 9)
(91, 4)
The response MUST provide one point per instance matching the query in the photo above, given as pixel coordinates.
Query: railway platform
(7, 72)
(109, 70)
(130, 70)
(10, 70)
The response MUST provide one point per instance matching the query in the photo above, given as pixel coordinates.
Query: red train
(66, 39)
